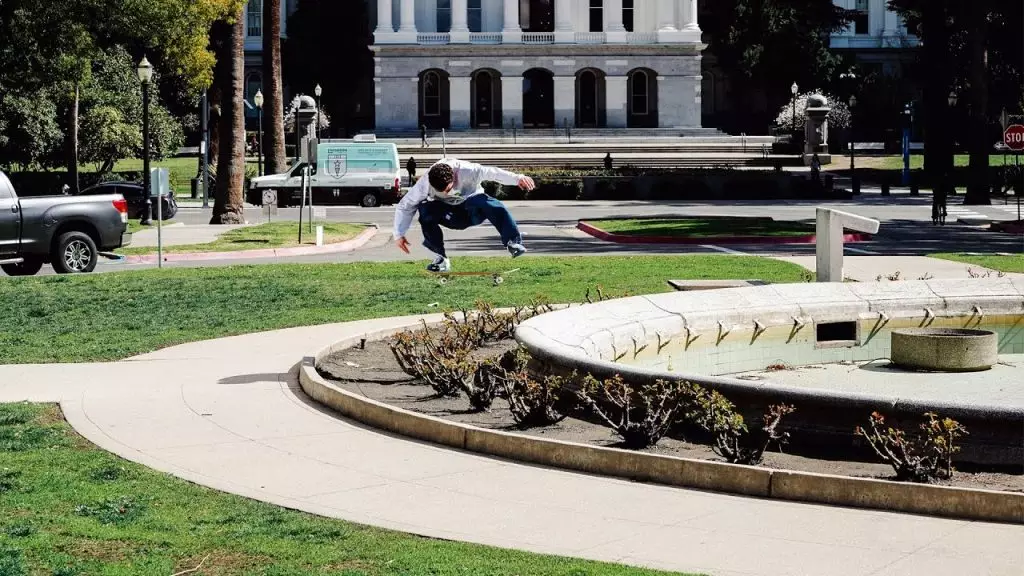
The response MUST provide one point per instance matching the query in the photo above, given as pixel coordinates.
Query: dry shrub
(926, 456)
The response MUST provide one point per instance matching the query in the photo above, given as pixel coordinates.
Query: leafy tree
(343, 30)
(768, 44)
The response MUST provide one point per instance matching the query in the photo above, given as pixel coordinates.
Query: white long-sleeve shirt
(469, 178)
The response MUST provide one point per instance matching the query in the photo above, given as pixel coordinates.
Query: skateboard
(496, 277)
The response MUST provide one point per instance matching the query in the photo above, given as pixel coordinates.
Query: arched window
(431, 94)
(640, 91)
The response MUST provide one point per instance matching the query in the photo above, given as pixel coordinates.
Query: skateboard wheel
(442, 280)
(498, 280)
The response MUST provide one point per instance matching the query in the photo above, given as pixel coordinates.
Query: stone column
(512, 31)
(460, 102)
(679, 102)
(616, 101)
(407, 30)
(460, 22)
(564, 32)
(668, 31)
(614, 30)
(691, 28)
(384, 23)
(565, 100)
(512, 100)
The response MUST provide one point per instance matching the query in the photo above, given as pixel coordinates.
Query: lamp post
(907, 114)
(794, 89)
(145, 71)
(951, 100)
(258, 100)
(855, 182)
(318, 91)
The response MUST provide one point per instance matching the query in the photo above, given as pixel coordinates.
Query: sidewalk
(228, 414)
(180, 234)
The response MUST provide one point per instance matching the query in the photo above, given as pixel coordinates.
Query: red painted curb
(346, 246)
(624, 239)
(1008, 227)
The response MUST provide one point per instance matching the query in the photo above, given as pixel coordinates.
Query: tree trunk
(273, 93)
(938, 143)
(72, 157)
(977, 40)
(228, 207)
(220, 36)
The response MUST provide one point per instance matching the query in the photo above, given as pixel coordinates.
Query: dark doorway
(537, 15)
(590, 99)
(538, 99)
(486, 99)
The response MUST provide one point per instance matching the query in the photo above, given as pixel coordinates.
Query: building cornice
(536, 50)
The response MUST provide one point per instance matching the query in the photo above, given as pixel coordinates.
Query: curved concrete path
(229, 414)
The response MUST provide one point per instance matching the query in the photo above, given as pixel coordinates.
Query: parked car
(66, 231)
(132, 192)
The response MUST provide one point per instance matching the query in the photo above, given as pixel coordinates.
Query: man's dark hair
(440, 176)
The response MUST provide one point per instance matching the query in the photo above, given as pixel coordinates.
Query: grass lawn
(704, 227)
(269, 235)
(917, 161)
(1013, 263)
(67, 507)
(93, 317)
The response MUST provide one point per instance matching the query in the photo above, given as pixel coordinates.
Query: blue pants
(472, 212)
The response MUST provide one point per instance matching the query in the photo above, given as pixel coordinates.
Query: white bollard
(319, 235)
(829, 243)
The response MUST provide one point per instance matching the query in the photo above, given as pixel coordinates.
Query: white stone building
(464, 64)
(878, 37)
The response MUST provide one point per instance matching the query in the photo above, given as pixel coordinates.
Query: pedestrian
(452, 196)
(423, 136)
(608, 161)
(411, 167)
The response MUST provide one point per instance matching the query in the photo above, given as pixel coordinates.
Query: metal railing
(590, 37)
(538, 37)
(485, 38)
(642, 38)
(433, 38)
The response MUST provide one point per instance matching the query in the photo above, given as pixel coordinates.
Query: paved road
(228, 414)
(549, 228)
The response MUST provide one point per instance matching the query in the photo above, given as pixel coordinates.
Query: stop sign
(1014, 137)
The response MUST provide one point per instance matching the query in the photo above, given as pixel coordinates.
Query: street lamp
(258, 100)
(794, 89)
(145, 71)
(855, 182)
(318, 91)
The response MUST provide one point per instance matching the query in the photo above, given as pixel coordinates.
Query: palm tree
(273, 93)
(227, 206)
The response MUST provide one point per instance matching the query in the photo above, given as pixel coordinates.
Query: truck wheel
(30, 267)
(370, 200)
(74, 253)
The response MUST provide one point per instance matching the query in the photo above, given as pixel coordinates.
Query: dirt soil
(373, 372)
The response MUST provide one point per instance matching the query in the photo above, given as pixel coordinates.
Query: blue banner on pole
(906, 156)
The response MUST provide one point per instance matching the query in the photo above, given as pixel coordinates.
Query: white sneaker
(440, 264)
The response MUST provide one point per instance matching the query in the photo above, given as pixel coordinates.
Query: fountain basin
(945, 349)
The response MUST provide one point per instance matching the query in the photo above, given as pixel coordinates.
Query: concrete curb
(959, 503)
(346, 246)
(625, 239)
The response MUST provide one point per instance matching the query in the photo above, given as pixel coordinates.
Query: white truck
(359, 171)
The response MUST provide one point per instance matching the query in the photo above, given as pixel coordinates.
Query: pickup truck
(68, 232)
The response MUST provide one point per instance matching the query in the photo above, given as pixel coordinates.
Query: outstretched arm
(495, 174)
(407, 207)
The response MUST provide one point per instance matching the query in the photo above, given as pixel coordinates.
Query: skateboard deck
(497, 277)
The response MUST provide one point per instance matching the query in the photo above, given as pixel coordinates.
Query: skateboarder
(451, 195)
